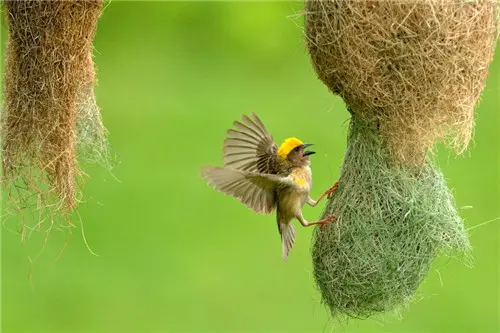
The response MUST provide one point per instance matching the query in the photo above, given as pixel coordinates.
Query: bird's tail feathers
(287, 231)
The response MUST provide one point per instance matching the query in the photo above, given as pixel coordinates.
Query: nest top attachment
(416, 67)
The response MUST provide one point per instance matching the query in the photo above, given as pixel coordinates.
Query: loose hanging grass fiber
(392, 222)
(49, 119)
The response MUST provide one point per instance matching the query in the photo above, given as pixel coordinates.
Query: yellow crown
(287, 146)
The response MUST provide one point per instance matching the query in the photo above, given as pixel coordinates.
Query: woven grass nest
(50, 120)
(411, 74)
(392, 222)
(417, 66)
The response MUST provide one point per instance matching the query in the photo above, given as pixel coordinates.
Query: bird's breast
(292, 197)
(302, 179)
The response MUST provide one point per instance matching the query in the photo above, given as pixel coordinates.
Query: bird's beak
(307, 153)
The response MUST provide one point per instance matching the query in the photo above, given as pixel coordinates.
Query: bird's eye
(296, 149)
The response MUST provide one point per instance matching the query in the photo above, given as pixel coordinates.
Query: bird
(266, 177)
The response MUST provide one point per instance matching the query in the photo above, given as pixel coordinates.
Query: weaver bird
(265, 177)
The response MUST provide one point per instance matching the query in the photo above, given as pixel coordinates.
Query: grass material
(49, 119)
(392, 222)
(418, 67)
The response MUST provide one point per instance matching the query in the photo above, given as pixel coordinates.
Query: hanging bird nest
(392, 222)
(49, 111)
(418, 67)
(411, 73)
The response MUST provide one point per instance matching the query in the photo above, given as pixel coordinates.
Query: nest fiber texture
(91, 135)
(416, 66)
(392, 222)
(49, 77)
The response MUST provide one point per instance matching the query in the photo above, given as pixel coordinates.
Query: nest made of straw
(391, 223)
(49, 105)
(418, 67)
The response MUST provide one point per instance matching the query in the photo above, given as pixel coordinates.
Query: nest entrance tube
(392, 222)
(49, 104)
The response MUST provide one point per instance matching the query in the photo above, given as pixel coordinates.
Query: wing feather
(255, 190)
(238, 142)
(229, 146)
(250, 147)
(259, 123)
(241, 153)
(244, 164)
(247, 129)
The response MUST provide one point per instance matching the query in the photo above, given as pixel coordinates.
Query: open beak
(307, 153)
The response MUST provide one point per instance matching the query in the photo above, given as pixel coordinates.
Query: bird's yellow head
(293, 145)
(287, 146)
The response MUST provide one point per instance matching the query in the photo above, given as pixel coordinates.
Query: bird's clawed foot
(323, 221)
(331, 190)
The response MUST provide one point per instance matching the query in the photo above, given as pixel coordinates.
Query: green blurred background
(176, 256)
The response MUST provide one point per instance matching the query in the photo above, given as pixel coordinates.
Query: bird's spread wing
(256, 190)
(250, 147)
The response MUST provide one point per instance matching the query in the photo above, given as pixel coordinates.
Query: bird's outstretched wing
(250, 147)
(256, 190)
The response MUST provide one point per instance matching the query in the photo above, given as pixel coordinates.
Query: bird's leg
(327, 193)
(332, 189)
(321, 222)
